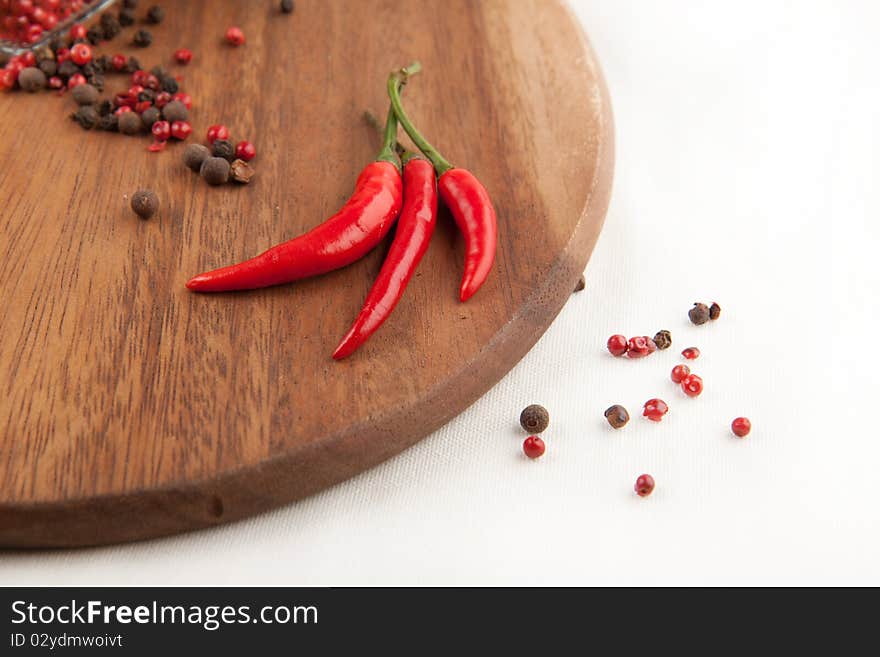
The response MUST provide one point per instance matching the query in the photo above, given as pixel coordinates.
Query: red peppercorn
(77, 32)
(181, 130)
(216, 132)
(183, 55)
(7, 80)
(691, 353)
(692, 385)
(183, 98)
(118, 62)
(617, 345)
(55, 82)
(28, 59)
(741, 427)
(161, 130)
(33, 33)
(534, 447)
(122, 109)
(151, 82)
(75, 80)
(22, 7)
(234, 36)
(139, 77)
(644, 485)
(655, 409)
(244, 150)
(679, 372)
(157, 145)
(640, 346)
(162, 99)
(81, 54)
(142, 106)
(62, 55)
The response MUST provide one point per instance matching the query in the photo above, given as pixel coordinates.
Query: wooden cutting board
(132, 408)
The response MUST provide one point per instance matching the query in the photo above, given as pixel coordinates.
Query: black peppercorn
(85, 94)
(94, 35)
(287, 6)
(581, 284)
(130, 123)
(105, 107)
(155, 14)
(144, 203)
(215, 170)
(96, 80)
(103, 64)
(617, 416)
(175, 111)
(49, 67)
(714, 311)
(31, 79)
(194, 155)
(150, 115)
(126, 17)
(534, 418)
(130, 4)
(86, 116)
(169, 84)
(111, 27)
(132, 65)
(663, 339)
(142, 38)
(67, 69)
(241, 172)
(108, 122)
(223, 148)
(699, 314)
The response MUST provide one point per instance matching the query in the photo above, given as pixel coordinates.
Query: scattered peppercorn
(126, 17)
(244, 150)
(132, 65)
(741, 427)
(655, 409)
(32, 79)
(644, 485)
(663, 339)
(161, 130)
(534, 418)
(175, 111)
(155, 15)
(95, 35)
(714, 311)
(149, 116)
(216, 132)
(49, 67)
(234, 36)
(144, 203)
(640, 346)
(691, 353)
(108, 122)
(617, 345)
(85, 94)
(86, 116)
(183, 56)
(223, 148)
(692, 385)
(110, 25)
(287, 6)
(142, 38)
(130, 123)
(617, 416)
(194, 155)
(699, 314)
(105, 107)
(534, 447)
(679, 372)
(169, 84)
(241, 172)
(215, 170)
(581, 284)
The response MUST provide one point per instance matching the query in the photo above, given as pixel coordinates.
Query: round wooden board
(132, 408)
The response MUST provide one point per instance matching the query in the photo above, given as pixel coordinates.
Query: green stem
(389, 141)
(403, 152)
(395, 81)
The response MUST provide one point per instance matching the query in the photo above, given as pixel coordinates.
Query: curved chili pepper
(464, 195)
(345, 237)
(414, 229)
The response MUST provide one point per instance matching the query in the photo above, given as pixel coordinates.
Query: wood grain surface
(130, 407)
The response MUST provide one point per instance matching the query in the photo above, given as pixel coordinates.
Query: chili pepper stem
(389, 141)
(403, 152)
(395, 81)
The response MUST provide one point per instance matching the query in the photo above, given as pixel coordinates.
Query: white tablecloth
(747, 172)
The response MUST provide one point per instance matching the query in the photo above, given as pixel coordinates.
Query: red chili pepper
(414, 229)
(464, 195)
(342, 239)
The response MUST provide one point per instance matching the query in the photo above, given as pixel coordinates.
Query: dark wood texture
(131, 408)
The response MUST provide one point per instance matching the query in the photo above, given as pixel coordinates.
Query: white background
(747, 172)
